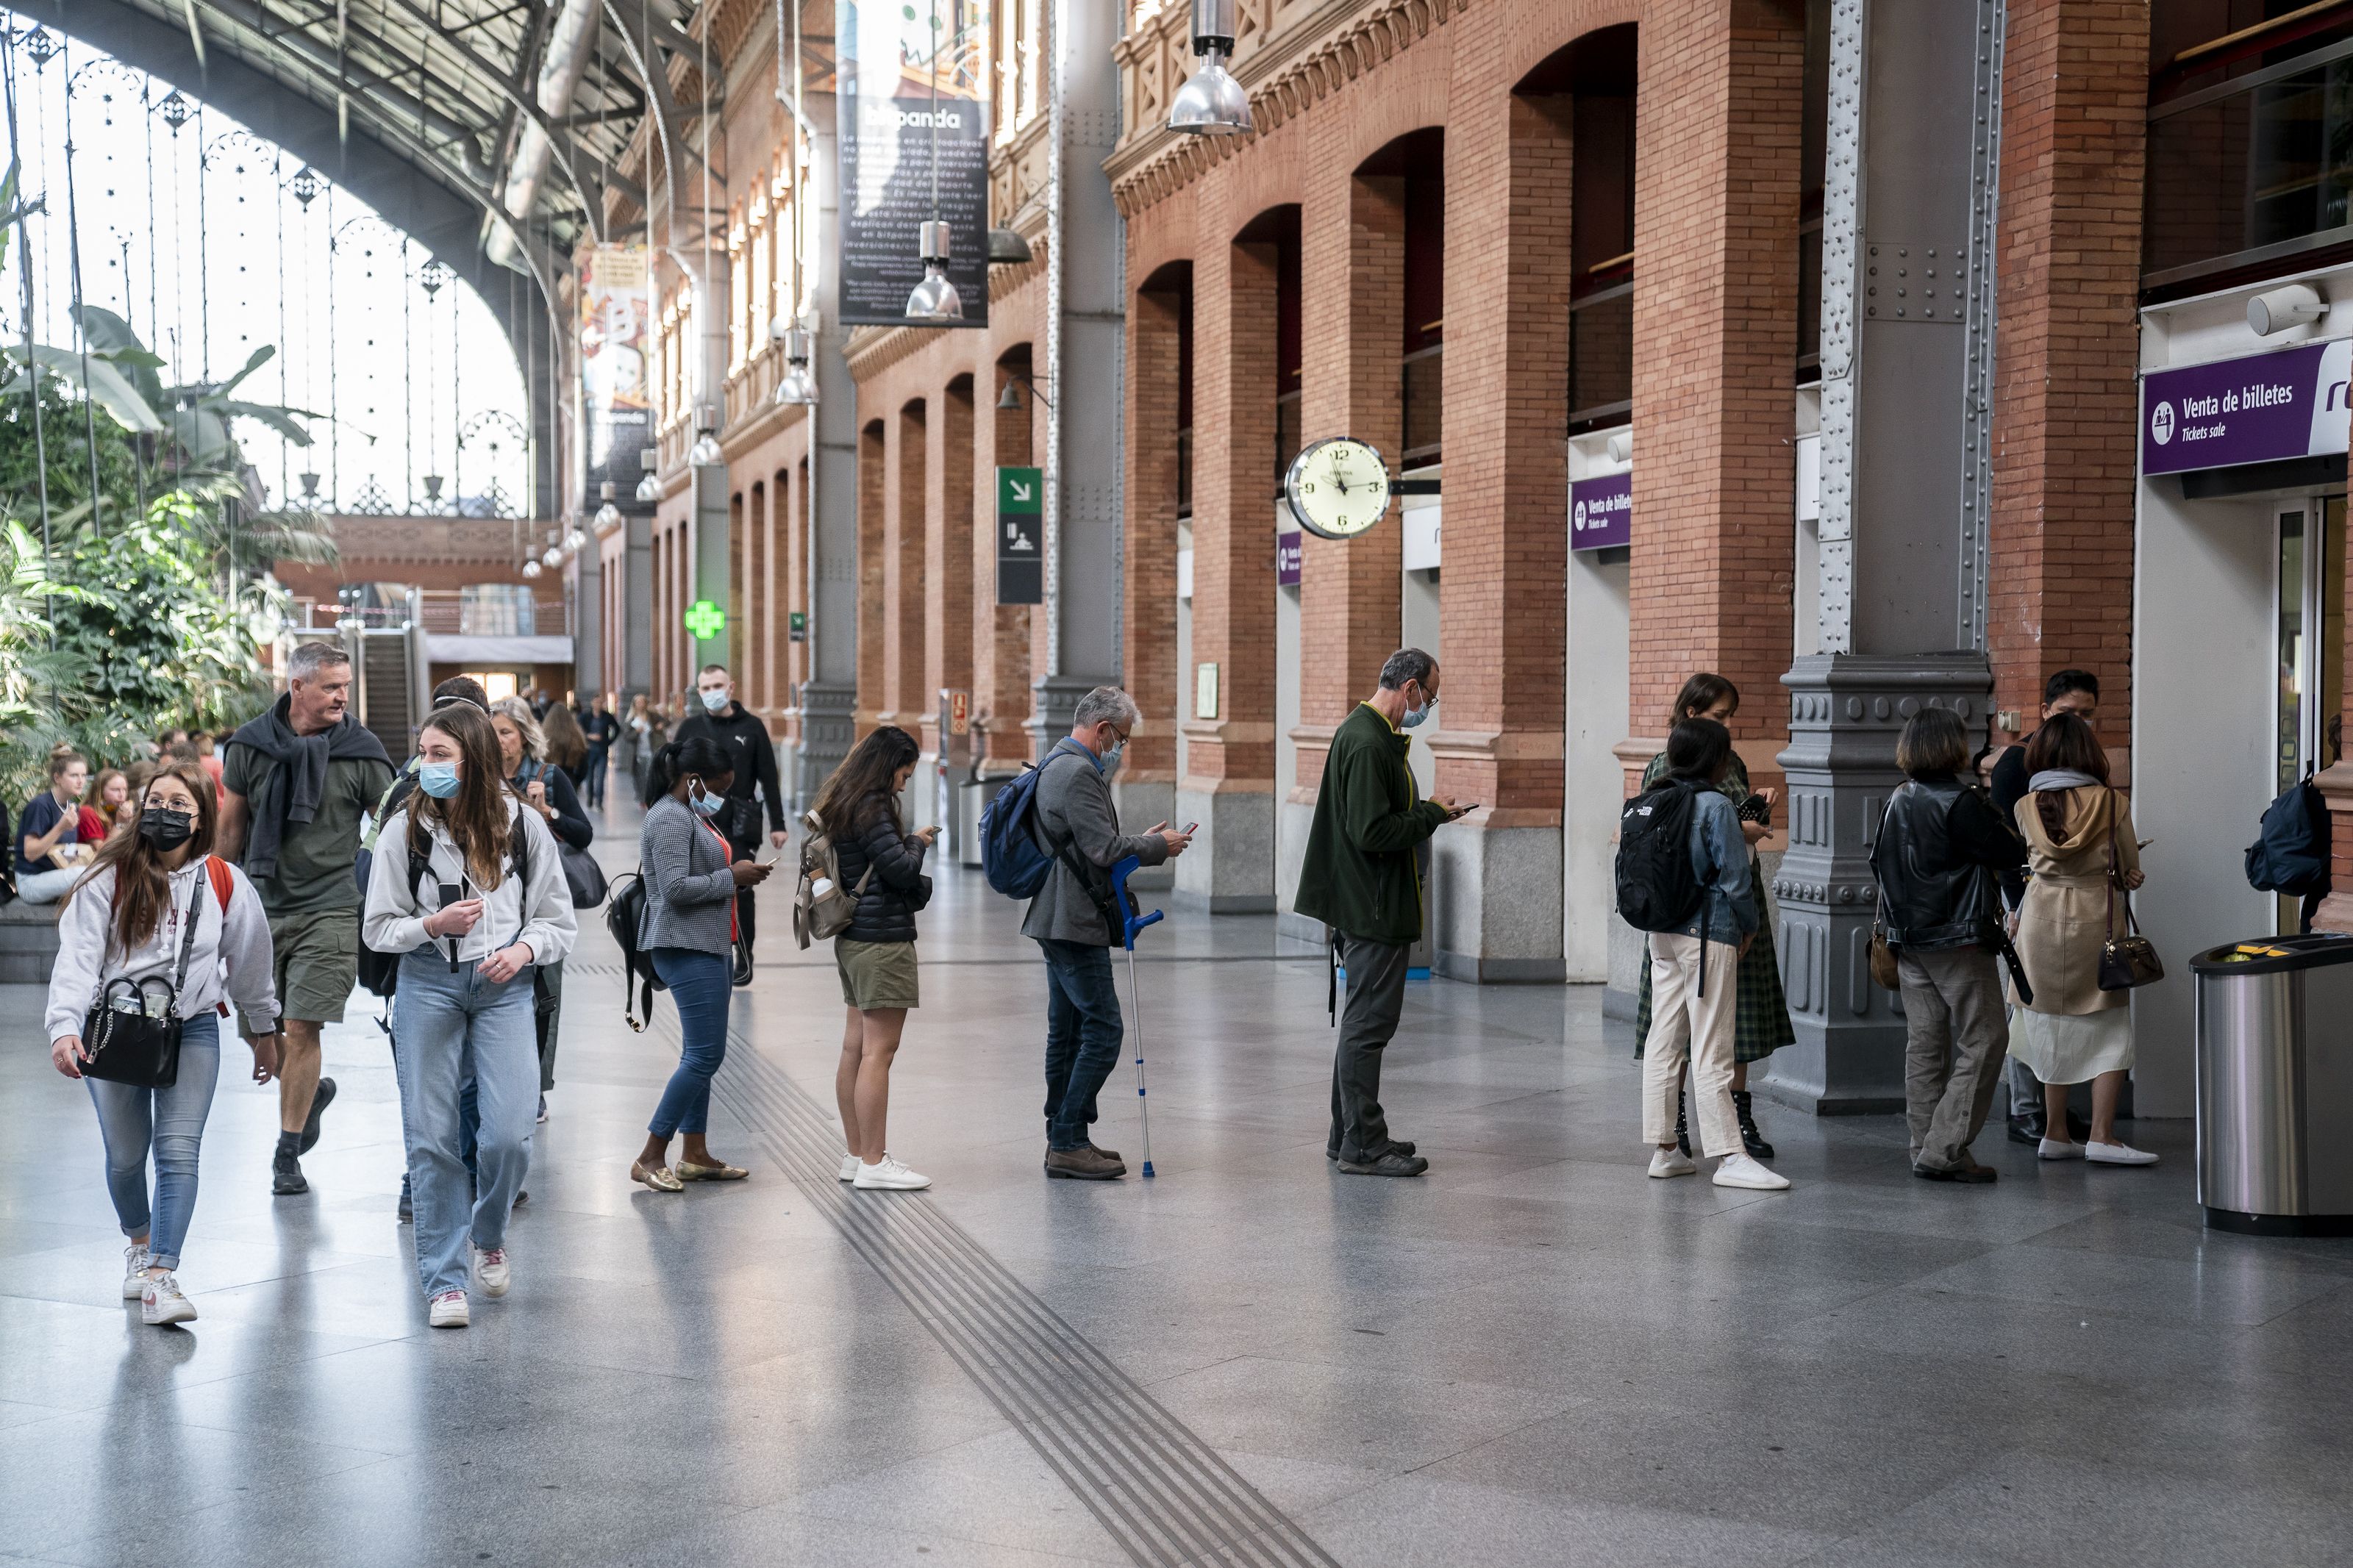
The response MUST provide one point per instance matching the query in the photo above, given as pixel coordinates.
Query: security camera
(1621, 446)
(2277, 310)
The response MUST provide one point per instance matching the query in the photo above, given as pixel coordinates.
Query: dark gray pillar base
(1053, 705)
(829, 726)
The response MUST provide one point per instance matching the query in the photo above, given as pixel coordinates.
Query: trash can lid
(2270, 955)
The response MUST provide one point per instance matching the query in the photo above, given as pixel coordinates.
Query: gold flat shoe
(688, 1171)
(660, 1178)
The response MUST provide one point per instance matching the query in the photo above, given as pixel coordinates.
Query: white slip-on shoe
(449, 1310)
(891, 1175)
(160, 1302)
(490, 1268)
(849, 1167)
(1665, 1162)
(135, 1260)
(2117, 1154)
(2058, 1149)
(1741, 1171)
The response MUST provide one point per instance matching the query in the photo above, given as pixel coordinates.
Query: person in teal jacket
(1361, 879)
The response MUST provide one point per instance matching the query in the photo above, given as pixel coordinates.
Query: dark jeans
(700, 985)
(1360, 1130)
(600, 755)
(745, 849)
(1083, 1031)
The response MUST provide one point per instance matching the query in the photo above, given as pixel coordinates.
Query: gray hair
(1106, 702)
(534, 738)
(1407, 664)
(311, 657)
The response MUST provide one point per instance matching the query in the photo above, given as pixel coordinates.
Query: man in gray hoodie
(1071, 921)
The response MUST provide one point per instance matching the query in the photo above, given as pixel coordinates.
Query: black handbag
(2130, 959)
(129, 1035)
(583, 878)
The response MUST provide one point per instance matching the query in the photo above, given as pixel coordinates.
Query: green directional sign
(704, 620)
(1021, 536)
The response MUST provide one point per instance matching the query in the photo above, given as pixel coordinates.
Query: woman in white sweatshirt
(156, 906)
(466, 887)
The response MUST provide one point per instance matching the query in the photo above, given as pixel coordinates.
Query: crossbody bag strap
(188, 939)
(2116, 874)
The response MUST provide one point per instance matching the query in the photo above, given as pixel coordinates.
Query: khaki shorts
(876, 974)
(317, 962)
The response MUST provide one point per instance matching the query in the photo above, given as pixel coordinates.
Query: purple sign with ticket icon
(1286, 559)
(2290, 402)
(1601, 511)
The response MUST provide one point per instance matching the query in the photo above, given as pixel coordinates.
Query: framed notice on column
(913, 114)
(615, 395)
(1021, 536)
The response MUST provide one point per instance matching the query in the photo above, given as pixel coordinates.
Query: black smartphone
(451, 892)
(1756, 809)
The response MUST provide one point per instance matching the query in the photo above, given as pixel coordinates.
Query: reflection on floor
(1533, 1355)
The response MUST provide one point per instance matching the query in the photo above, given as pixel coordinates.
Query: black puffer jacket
(886, 912)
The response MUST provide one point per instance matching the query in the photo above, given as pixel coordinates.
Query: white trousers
(1685, 1024)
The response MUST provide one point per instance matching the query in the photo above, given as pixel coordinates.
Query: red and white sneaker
(490, 1268)
(160, 1302)
(449, 1310)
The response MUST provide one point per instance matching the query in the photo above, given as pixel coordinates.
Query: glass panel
(1424, 387)
(1601, 354)
(2271, 164)
(1286, 436)
(2292, 671)
(1185, 473)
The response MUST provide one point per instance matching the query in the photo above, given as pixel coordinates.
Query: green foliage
(68, 447)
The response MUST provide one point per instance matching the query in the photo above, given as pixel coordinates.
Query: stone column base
(1229, 869)
(1141, 801)
(829, 729)
(1495, 900)
(1294, 819)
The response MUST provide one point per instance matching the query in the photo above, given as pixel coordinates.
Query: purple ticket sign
(1286, 559)
(2290, 402)
(1601, 511)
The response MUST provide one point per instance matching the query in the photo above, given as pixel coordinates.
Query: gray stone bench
(28, 942)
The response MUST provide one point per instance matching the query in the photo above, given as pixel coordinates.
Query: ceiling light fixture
(934, 300)
(1211, 103)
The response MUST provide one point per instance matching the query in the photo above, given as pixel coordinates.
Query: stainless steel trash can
(2275, 1041)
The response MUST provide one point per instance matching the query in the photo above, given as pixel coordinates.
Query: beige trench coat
(2065, 916)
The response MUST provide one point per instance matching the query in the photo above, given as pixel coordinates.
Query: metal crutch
(1131, 923)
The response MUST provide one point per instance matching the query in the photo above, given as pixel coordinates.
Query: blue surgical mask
(716, 701)
(707, 802)
(439, 780)
(1415, 715)
(1111, 758)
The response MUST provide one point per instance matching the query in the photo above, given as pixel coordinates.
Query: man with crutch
(1076, 922)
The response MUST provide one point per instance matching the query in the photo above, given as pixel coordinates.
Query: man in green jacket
(1361, 880)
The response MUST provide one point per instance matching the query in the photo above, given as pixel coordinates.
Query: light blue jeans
(171, 1121)
(448, 1027)
(48, 886)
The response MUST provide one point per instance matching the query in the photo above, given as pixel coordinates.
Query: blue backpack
(2291, 854)
(1011, 855)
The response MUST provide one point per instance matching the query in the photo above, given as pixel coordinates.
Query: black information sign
(1021, 536)
(889, 121)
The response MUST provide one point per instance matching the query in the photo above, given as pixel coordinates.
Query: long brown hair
(566, 742)
(142, 887)
(2063, 741)
(477, 817)
(869, 769)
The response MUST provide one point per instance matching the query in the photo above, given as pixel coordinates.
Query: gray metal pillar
(637, 630)
(1085, 354)
(588, 622)
(828, 697)
(707, 485)
(1907, 363)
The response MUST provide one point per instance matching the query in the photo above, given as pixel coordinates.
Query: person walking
(546, 789)
(645, 734)
(565, 743)
(2085, 862)
(1694, 973)
(692, 877)
(1760, 1022)
(50, 854)
(740, 733)
(1940, 848)
(601, 729)
(1362, 878)
(1071, 921)
(466, 889)
(882, 864)
(155, 908)
(295, 786)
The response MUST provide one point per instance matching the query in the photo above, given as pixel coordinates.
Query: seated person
(50, 855)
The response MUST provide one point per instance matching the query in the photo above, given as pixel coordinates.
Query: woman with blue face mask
(691, 877)
(465, 885)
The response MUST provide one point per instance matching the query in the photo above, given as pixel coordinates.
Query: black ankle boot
(1751, 1138)
(1682, 1133)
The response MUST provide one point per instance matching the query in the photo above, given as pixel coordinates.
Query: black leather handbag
(2128, 961)
(131, 1033)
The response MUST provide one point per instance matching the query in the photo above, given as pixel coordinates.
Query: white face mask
(716, 700)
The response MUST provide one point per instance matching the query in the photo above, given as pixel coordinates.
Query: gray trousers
(1957, 1034)
(1360, 1130)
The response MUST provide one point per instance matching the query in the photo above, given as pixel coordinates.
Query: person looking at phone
(1362, 878)
(465, 886)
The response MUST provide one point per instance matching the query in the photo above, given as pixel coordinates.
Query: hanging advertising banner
(914, 119)
(617, 394)
(1021, 536)
(1601, 511)
(2290, 402)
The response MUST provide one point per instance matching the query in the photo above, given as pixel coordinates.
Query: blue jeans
(447, 1029)
(702, 985)
(600, 755)
(1083, 1031)
(171, 1121)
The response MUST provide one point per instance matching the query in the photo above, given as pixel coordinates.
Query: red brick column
(2064, 440)
(873, 691)
(1148, 609)
(949, 557)
(902, 570)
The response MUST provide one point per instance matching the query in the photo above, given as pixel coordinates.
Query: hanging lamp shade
(935, 300)
(648, 490)
(531, 568)
(705, 450)
(555, 556)
(1212, 103)
(796, 388)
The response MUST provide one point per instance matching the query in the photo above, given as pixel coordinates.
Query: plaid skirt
(1760, 1012)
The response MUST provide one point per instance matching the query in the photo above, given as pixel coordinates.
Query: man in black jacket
(743, 736)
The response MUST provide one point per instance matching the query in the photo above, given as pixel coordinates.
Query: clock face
(1337, 488)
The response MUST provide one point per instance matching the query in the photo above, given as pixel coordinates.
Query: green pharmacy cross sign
(704, 620)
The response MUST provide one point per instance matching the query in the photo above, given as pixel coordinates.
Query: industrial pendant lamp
(609, 516)
(934, 300)
(1212, 103)
(796, 388)
(705, 450)
(649, 488)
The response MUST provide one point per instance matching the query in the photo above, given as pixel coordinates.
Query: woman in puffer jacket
(883, 865)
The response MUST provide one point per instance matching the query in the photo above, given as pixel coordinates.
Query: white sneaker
(135, 1262)
(2058, 1149)
(160, 1302)
(1740, 1170)
(490, 1268)
(849, 1167)
(449, 1310)
(1665, 1162)
(2117, 1154)
(891, 1175)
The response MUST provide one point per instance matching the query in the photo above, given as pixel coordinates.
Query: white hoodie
(231, 958)
(539, 913)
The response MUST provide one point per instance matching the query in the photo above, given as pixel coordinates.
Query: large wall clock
(1337, 488)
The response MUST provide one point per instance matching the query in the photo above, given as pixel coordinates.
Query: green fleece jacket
(1359, 875)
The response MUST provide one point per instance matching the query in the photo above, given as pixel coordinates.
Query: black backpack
(2290, 854)
(1658, 891)
(379, 973)
(625, 915)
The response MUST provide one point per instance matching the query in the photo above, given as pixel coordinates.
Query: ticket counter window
(2310, 645)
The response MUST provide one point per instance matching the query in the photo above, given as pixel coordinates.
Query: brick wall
(873, 693)
(949, 557)
(1148, 605)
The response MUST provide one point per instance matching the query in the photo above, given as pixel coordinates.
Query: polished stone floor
(1532, 1356)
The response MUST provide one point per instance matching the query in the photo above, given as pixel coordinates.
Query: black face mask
(164, 828)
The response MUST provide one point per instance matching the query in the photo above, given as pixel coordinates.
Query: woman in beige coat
(2084, 858)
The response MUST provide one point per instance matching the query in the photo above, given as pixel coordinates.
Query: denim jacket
(1720, 855)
